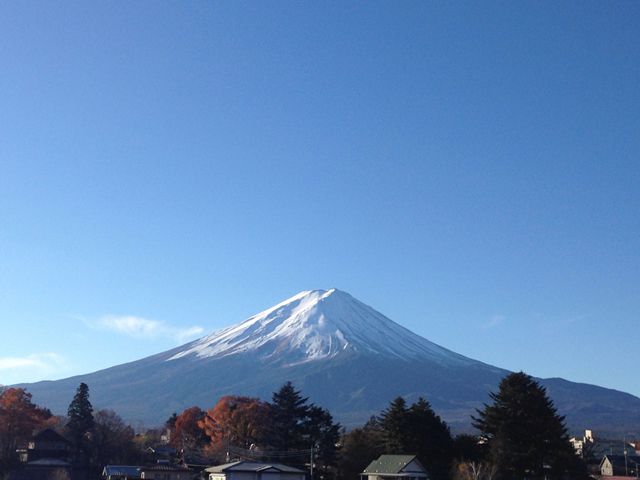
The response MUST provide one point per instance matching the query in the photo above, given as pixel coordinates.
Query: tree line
(289, 429)
(520, 435)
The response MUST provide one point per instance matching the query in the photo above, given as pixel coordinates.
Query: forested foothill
(519, 435)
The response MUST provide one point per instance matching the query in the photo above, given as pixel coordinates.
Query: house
(620, 465)
(159, 471)
(45, 456)
(580, 444)
(47, 444)
(393, 467)
(161, 454)
(254, 471)
(165, 471)
(120, 472)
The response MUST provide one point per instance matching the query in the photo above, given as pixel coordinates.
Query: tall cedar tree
(80, 423)
(526, 437)
(418, 430)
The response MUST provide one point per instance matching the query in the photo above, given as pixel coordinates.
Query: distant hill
(341, 353)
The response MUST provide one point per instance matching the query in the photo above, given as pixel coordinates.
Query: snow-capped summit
(314, 325)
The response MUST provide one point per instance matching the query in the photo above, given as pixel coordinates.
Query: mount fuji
(343, 354)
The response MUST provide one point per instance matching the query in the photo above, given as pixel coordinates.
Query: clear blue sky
(469, 169)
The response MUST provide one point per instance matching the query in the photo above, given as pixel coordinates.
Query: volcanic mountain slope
(319, 325)
(340, 352)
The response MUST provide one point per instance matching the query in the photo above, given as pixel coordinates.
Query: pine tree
(418, 430)
(431, 439)
(323, 435)
(290, 413)
(394, 422)
(80, 422)
(526, 437)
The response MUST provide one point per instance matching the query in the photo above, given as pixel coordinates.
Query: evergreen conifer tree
(394, 422)
(323, 436)
(526, 437)
(289, 411)
(301, 427)
(418, 430)
(80, 422)
(431, 439)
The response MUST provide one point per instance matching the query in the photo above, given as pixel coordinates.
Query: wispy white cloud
(494, 321)
(45, 362)
(189, 333)
(138, 327)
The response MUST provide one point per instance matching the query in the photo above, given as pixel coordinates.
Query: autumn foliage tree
(235, 420)
(288, 427)
(187, 433)
(19, 417)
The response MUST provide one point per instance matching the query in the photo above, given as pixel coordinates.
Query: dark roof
(164, 467)
(390, 464)
(49, 435)
(619, 459)
(122, 470)
(49, 462)
(252, 467)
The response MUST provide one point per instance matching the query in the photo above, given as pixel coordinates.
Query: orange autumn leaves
(233, 420)
(18, 418)
(288, 426)
(239, 420)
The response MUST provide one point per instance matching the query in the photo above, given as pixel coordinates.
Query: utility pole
(626, 468)
(311, 462)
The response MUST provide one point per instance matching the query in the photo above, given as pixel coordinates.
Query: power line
(269, 453)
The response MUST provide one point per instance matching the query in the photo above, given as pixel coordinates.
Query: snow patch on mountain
(315, 325)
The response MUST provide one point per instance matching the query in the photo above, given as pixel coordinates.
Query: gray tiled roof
(252, 467)
(164, 467)
(122, 470)
(389, 464)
